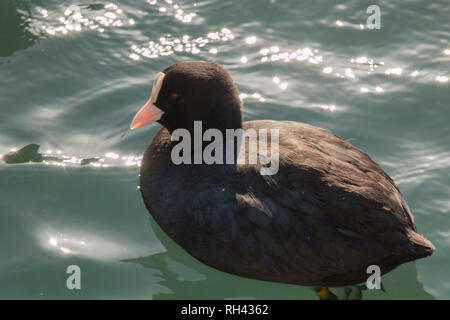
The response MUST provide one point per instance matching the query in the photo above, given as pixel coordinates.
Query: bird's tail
(420, 247)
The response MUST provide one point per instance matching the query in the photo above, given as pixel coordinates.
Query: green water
(76, 91)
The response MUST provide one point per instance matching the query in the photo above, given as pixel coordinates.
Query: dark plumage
(328, 213)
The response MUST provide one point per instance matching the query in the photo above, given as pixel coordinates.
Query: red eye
(174, 96)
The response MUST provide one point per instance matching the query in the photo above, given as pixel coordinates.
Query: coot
(327, 213)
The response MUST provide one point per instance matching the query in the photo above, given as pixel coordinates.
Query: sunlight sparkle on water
(77, 18)
(274, 53)
(254, 96)
(394, 71)
(349, 73)
(251, 40)
(87, 244)
(364, 90)
(110, 159)
(330, 107)
(53, 242)
(112, 155)
(174, 10)
(361, 60)
(169, 45)
(442, 79)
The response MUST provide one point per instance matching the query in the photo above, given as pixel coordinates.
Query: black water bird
(327, 214)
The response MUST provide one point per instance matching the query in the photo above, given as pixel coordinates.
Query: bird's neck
(213, 129)
(220, 118)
